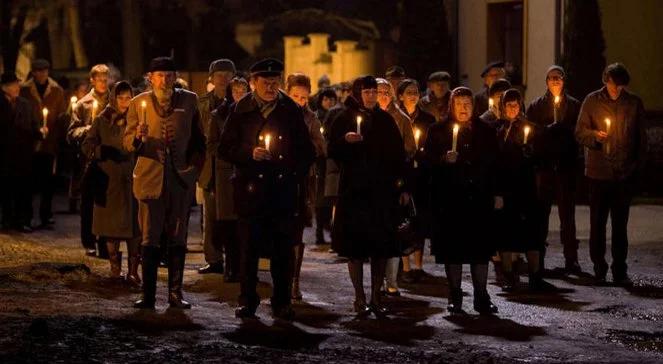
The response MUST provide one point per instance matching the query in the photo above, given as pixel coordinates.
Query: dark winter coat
(219, 178)
(517, 223)
(481, 101)
(53, 100)
(267, 188)
(626, 149)
(438, 107)
(206, 105)
(371, 180)
(115, 209)
(463, 193)
(19, 133)
(557, 144)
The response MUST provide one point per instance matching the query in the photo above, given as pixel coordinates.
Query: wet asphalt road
(62, 312)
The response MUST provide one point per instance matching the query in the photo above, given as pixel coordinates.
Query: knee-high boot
(151, 256)
(176, 256)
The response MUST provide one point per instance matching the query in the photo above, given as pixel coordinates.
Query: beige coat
(186, 147)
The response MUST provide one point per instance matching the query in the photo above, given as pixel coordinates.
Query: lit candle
(44, 112)
(607, 131)
(417, 136)
(358, 124)
(454, 143)
(95, 105)
(72, 101)
(143, 105)
(491, 103)
(322, 130)
(268, 140)
(526, 134)
(555, 107)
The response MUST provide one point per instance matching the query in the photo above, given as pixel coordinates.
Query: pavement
(57, 305)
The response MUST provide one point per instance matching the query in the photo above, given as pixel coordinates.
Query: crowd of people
(384, 164)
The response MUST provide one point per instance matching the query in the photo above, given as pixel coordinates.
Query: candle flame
(456, 128)
(556, 99)
(44, 111)
(417, 133)
(73, 99)
(143, 104)
(527, 130)
(491, 102)
(322, 130)
(358, 119)
(95, 104)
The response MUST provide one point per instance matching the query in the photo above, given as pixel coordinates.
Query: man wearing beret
(221, 72)
(493, 72)
(436, 102)
(43, 92)
(557, 169)
(19, 132)
(164, 130)
(267, 140)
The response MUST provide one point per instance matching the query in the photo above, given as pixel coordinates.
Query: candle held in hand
(359, 125)
(95, 105)
(44, 112)
(454, 141)
(143, 105)
(268, 140)
(555, 107)
(607, 125)
(526, 134)
(417, 136)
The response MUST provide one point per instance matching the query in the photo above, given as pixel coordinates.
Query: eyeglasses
(555, 78)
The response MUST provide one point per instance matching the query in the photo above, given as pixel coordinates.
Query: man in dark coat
(556, 112)
(84, 112)
(221, 72)
(493, 72)
(266, 139)
(43, 92)
(20, 131)
(611, 127)
(493, 114)
(436, 101)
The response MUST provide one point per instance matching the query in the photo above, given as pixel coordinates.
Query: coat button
(280, 176)
(280, 157)
(260, 176)
(280, 137)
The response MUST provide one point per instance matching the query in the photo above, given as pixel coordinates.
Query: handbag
(406, 230)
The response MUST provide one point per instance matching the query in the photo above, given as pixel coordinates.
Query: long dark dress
(371, 181)
(462, 195)
(517, 222)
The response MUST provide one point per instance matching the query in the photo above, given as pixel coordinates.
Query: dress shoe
(361, 309)
(622, 281)
(572, 267)
(378, 310)
(245, 312)
(284, 313)
(485, 307)
(144, 304)
(455, 307)
(392, 292)
(211, 268)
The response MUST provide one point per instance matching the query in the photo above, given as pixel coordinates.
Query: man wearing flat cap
(395, 74)
(221, 72)
(267, 140)
(436, 101)
(557, 113)
(493, 72)
(164, 130)
(19, 132)
(43, 92)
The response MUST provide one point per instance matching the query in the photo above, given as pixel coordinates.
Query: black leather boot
(150, 265)
(176, 257)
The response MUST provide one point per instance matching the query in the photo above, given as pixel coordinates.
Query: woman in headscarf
(114, 216)
(519, 221)
(367, 145)
(463, 197)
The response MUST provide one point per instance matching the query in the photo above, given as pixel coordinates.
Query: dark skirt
(517, 226)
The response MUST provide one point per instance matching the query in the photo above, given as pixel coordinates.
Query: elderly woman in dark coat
(518, 222)
(463, 197)
(367, 145)
(114, 216)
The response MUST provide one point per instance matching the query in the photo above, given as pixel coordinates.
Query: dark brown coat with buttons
(269, 188)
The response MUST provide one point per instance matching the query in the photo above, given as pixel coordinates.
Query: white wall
(471, 42)
(540, 46)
